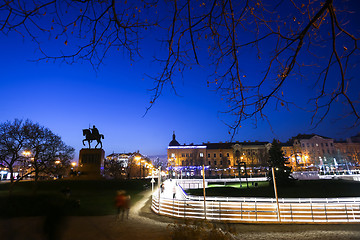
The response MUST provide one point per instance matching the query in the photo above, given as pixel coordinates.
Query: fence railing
(259, 210)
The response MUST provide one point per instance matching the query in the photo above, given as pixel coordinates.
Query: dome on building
(174, 142)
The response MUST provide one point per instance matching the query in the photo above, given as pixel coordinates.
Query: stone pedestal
(91, 162)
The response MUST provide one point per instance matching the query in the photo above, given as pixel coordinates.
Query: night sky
(68, 98)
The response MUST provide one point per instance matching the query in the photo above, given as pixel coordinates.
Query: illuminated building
(312, 152)
(349, 152)
(121, 158)
(315, 152)
(218, 158)
(305, 152)
(129, 165)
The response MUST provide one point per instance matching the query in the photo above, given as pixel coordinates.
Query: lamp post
(159, 182)
(276, 195)
(27, 155)
(140, 169)
(73, 172)
(73, 164)
(203, 175)
(138, 158)
(239, 168)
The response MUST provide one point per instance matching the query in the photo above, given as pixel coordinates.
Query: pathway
(144, 224)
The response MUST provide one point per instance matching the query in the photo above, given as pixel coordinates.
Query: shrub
(198, 230)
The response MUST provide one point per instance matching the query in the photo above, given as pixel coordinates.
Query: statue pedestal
(91, 162)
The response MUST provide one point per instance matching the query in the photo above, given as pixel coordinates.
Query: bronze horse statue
(90, 137)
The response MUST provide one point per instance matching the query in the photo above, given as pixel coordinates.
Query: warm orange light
(73, 164)
(26, 153)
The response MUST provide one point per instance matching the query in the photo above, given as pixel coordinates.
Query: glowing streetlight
(138, 158)
(26, 153)
(73, 164)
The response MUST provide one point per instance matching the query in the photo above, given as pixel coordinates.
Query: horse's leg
(89, 143)
(84, 141)
(97, 143)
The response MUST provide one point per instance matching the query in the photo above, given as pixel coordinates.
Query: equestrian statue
(92, 134)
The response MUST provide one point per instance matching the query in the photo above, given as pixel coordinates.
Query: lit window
(201, 154)
(173, 155)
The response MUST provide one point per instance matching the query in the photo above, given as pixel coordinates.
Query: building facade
(121, 158)
(349, 153)
(127, 165)
(305, 152)
(219, 159)
(315, 152)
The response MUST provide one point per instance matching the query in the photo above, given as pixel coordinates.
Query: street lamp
(243, 164)
(138, 158)
(26, 153)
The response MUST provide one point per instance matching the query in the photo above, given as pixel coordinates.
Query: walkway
(144, 224)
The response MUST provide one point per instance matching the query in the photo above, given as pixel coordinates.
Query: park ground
(144, 224)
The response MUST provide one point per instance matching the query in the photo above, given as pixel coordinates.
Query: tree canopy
(278, 161)
(290, 40)
(34, 148)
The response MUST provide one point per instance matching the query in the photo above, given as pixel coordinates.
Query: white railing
(258, 210)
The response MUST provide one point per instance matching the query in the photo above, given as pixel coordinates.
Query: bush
(198, 230)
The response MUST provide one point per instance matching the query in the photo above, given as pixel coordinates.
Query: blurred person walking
(122, 203)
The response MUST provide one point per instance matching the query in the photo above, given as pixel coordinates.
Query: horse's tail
(102, 136)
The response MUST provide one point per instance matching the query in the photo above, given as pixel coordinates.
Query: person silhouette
(95, 131)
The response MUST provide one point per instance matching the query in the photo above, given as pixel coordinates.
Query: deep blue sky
(68, 98)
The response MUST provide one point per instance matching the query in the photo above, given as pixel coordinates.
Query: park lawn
(87, 198)
(298, 189)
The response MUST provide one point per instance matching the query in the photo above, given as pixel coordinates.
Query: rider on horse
(95, 131)
(92, 134)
